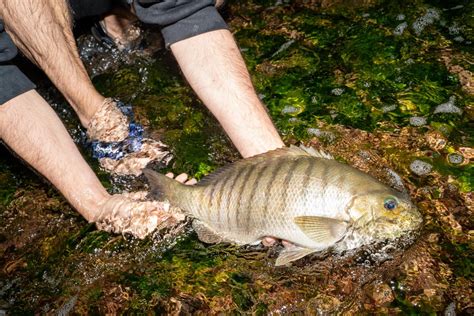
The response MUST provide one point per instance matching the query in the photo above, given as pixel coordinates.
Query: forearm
(41, 140)
(213, 66)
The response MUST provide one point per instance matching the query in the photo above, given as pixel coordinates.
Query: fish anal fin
(292, 253)
(205, 233)
(324, 230)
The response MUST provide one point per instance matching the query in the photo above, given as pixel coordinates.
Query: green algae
(316, 70)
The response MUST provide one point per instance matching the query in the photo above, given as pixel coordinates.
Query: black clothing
(179, 19)
(12, 81)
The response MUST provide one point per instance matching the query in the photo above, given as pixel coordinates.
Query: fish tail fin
(163, 187)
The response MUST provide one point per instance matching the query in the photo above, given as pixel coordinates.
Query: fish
(297, 194)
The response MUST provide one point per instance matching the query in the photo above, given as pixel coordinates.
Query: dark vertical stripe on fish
(288, 177)
(306, 181)
(226, 208)
(250, 170)
(255, 187)
(220, 186)
(276, 169)
(227, 191)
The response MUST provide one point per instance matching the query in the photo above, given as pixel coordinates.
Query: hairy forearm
(213, 66)
(42, 30)
(39, 137)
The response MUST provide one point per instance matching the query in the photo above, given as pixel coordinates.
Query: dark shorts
(178, 20)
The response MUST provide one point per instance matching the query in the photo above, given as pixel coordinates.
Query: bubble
(400, 28)
(427, 19)
(389, 108)
(448, 107)
(401, 17)
(337, 91)
(455, 158)
(420, 168)
(289, 109)
(329, 136)
(454, 29)
(417, 121)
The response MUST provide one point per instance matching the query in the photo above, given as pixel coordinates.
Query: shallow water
(383, 87)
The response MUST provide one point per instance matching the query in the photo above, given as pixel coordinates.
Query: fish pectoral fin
(323, 230)
(205, 233)
(292, 253)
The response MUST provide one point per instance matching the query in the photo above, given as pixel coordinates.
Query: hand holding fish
(131, 213)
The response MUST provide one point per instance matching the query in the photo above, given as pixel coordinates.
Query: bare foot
(119, 26)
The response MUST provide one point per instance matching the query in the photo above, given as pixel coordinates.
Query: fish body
(295, 194)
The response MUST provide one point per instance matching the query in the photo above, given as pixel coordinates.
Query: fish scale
(295, 194)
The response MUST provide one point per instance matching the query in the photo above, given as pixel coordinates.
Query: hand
(118, 142)
(130, 213)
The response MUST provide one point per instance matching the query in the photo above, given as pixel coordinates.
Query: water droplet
(455, 158)
(400, 28)
(289, 109)
(448, 107)
(337, 91)
(420, 167)
(389, 108)
(417, 121)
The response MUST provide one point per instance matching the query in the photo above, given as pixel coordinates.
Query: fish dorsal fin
(324, 230)
(205, 233)
(314, 152)
(276, 153)
(292, 253)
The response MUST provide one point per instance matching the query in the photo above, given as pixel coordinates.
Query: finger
(191, 182)
(170, 175)
(268, 241)
(182, 178)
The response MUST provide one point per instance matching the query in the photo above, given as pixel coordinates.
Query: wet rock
(436, 141)
(323, 304)
(382, 294)
(420, 167)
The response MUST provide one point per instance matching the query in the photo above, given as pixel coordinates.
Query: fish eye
(390, 203)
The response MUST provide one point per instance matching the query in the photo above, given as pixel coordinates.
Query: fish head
(383, 215)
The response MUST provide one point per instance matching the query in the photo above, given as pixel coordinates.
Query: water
(367, 85)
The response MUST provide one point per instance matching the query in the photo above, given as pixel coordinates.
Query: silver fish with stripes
(296, 194)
